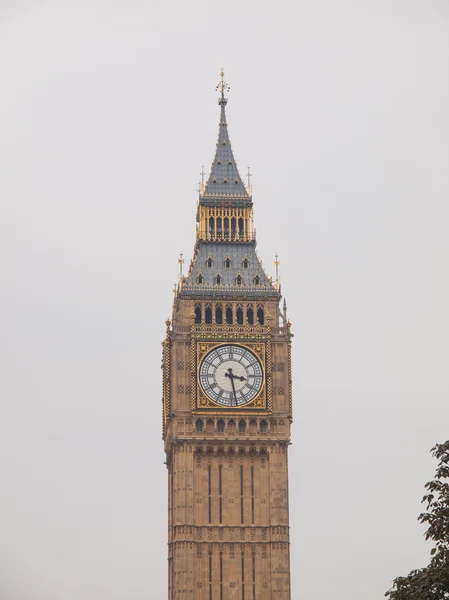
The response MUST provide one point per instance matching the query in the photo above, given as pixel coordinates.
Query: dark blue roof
(254, 280)
(224, 182)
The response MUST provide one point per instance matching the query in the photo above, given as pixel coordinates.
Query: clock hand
(231, 376)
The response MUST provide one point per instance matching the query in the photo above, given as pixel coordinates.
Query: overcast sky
(107, 111)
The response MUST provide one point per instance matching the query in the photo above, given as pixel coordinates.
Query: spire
(224, 181)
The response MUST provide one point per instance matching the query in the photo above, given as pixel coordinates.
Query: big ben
(227, 405)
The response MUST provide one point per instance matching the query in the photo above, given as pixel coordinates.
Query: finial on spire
(277, 262)
(180, 262)
(248, 177)
(222, 87)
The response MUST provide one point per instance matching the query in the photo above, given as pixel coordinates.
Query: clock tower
(227, 405)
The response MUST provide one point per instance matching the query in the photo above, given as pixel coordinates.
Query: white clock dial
(231, 375)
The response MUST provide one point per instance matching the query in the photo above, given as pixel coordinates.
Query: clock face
(231, 375)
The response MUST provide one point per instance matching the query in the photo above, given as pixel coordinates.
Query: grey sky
(107, 111)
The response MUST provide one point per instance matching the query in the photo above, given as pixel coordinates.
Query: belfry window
(200, 279)
(209, 495)
(240, 315)
(211, 224)
(221, 576)
(208, 314)
(240, 226)
(260, 315)
(220, 497)
(218, 315)
(254, 576)
(252, 496)
(226, 226)
(241, 492)
(197, 313)
(229, 315)
(209, 263)
(219, 223)
(250, 315)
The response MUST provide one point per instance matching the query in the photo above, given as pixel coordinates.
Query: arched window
(218, 314)
(219, 231)
(197, 313)
(260, 315)
(245, 263)
(239, 315)
(209, 263)
(218, 279)
(227, 263)
(226, 227)
(257, 280)
(220, 426)
(233, 227)
(229, 315)
(238, 280)
(208, 314)
(250, 315)
(211, 226)
(240, 226)
(200, 279)
(199, 425)
(242, 426)
(263, 427)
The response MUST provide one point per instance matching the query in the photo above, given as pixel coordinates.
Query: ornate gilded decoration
(166, 378)
(227, 403)
(201, 402)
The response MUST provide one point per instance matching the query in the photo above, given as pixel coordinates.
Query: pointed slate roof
(236, 254)
(230, 260)
(224, 181)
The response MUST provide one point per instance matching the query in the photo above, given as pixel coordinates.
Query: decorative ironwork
(222, 87)
(201, 402)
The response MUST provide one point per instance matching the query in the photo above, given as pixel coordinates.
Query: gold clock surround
(201, 403)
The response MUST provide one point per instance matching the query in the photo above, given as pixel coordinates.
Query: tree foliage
(431, 582)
